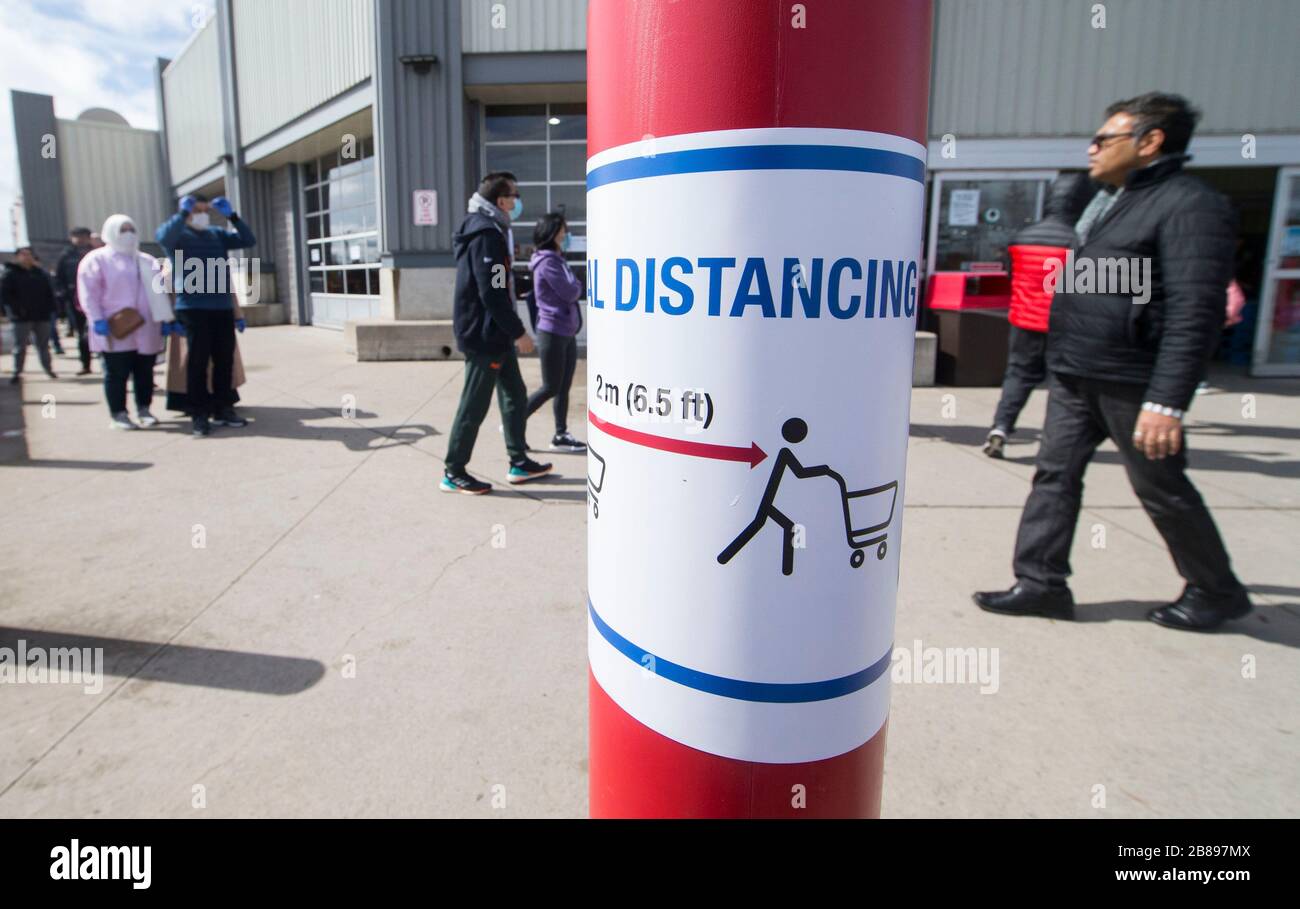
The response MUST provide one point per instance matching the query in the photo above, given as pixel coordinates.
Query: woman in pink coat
(114, 277)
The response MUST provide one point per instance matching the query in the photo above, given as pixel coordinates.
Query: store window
(342, 236)
(545, 146)
(974, 217)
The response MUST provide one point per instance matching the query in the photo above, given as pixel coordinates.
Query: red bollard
(756, 191)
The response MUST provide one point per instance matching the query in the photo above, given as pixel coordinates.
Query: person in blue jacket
(204, 304)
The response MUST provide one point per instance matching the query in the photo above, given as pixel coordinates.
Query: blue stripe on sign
(761, 157)
(766, 692)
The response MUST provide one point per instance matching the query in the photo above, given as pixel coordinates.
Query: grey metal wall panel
(192, 101)
(1017, 68)
(284, 239)
(257, 206)
(497, 26)
(109, 170)
(419, 129)
(294, 55)
(39, 166)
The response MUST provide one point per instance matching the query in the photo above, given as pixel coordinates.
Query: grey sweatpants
(42, 332)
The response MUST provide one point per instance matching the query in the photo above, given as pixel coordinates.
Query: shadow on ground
(232, 670)
(296, 423)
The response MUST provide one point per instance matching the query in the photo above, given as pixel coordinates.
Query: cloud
(86, 53)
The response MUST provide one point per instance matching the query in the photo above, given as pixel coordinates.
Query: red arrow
(753, 455)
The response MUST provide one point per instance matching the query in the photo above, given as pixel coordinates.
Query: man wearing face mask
(204, 304)
(487, 328)
(111, 279)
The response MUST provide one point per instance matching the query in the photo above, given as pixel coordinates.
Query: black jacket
(483, 315)
(26, 293)
(1187, 230)
(65, 275)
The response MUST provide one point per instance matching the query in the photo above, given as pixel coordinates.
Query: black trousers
(123, 365)
(1081, 414)
(1026, 368)
(77, 320)
(210, 338)
(559, 356)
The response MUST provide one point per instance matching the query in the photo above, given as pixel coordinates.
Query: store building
(62, 166)
(351, 132)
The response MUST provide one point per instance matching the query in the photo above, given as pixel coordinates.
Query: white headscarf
(128, 243)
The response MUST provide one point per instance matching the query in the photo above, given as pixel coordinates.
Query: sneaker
(228, 417)
(526, 469)
(997, 440)
(146, 418)
(51, 373)
(463, 483)
(564, 441)
(85, 371)
(122, 421)
(201, 427)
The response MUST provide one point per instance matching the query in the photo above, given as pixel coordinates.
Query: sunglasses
(1101, 139)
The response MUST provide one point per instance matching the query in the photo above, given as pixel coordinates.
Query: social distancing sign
(752, 299)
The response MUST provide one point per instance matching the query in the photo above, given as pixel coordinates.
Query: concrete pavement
(296, 622)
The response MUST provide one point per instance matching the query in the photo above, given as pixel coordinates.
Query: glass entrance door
(1277, 336)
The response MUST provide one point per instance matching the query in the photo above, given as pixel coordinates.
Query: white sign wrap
(751, 310)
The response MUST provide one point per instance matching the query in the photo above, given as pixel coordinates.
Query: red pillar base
(638, 773)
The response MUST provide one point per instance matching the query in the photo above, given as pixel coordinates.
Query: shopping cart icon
(860, 508)
(595, 479)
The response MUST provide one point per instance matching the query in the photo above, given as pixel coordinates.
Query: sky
(86, 53)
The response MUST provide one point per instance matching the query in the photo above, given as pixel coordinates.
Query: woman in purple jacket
(558, 321)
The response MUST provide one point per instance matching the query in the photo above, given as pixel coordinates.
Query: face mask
(565, 245)
(199, 221)
(517, 210)
(126, 242)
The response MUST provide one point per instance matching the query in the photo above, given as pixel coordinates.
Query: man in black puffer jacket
(1133, 326)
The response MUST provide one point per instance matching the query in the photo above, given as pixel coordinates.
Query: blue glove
(240, 325)
(101, 327)
(222, 204)
(187, 204)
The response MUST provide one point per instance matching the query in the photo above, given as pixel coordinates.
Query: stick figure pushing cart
(795, 431)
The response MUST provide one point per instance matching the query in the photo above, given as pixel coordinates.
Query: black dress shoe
(1019, 600)
(1197, 611)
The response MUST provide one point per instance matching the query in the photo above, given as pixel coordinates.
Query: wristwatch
(1162, 409)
